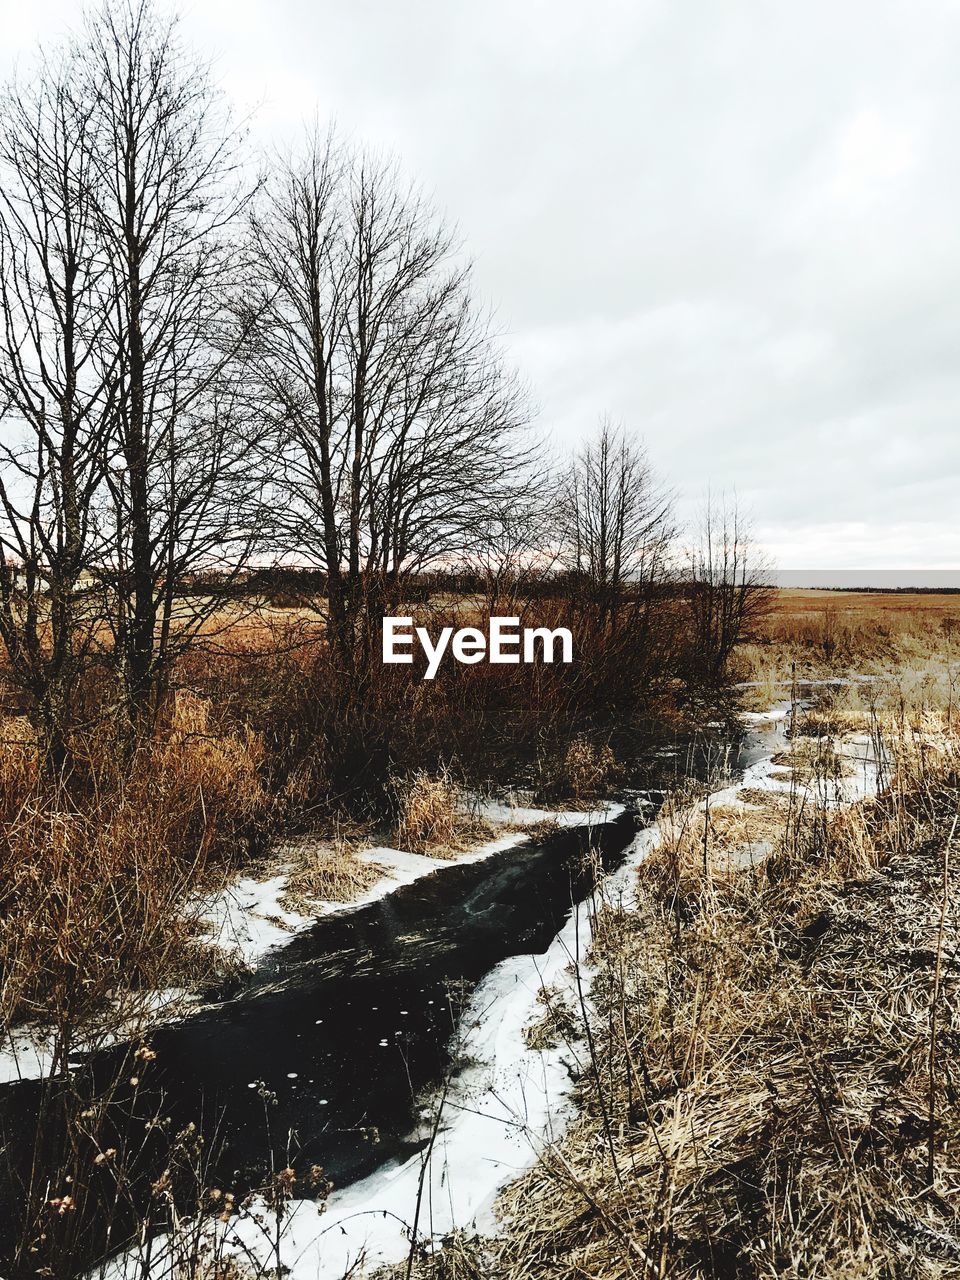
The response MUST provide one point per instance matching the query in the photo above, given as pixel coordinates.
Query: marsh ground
(774, 1018)
(772, 1088)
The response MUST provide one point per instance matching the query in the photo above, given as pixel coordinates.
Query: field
(800, 602)
(770, 1084)
(811, 614)
(908, 636)
(754, 1099)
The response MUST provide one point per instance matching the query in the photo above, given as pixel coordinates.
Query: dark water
(355, 1019)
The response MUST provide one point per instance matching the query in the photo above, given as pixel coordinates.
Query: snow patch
(26, 1054)
(519, 815)
(773, 715)
(246, 919)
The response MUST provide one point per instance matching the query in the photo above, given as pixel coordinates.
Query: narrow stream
(356, 1017)
(323, 1056)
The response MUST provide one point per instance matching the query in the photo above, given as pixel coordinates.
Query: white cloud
(733, 226)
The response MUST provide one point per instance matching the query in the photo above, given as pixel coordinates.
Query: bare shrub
(95, 879)
(587, 769)
(219, 769)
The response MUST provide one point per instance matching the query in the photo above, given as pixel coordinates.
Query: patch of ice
(748, 856)
(773, 715)
(522, 816)
(865, 771)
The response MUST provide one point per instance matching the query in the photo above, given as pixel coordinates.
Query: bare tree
(168, 193)
(729, 584)
(56, 392)
(615, 519)
(514, 555)
(398, 430)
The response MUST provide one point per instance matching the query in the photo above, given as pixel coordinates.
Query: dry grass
(432, 817)
(326, 868)
(823, 634)
(773, 1091)
(722, 837)
(98, 874)
(95, 878)
(587, 769)
(428, 808)
(196, 754)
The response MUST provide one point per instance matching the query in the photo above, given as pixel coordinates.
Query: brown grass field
(799, 601)
(770, 1088)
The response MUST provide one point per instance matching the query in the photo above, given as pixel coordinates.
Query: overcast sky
(734, 226)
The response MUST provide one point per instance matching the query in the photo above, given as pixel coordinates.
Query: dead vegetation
(770, 1086)
(323, 868)
(773, 1089)
(775, 1098)
(428, 811)
(98, 875)
(824, 634)
(587, 769)
(433, 817)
